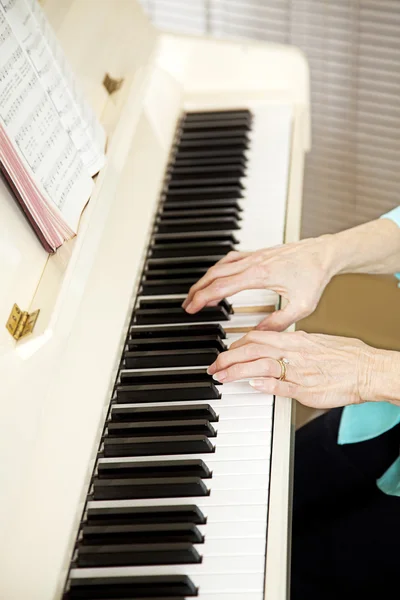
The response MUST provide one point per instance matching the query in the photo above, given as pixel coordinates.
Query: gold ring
(283, 363)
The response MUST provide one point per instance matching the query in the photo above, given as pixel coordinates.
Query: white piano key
(200, 573)
(243, 425)
(239, 423)
(233, 529)
(254, 297)
(239, 581)
(220, 481)
(239, 387)
(255, 438)
(217, 498)
(231, 453)
(232, 546)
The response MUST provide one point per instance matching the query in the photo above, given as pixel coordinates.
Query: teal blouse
(362, 422)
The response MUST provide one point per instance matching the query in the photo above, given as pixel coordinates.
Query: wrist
(331, 255)
(380, 379)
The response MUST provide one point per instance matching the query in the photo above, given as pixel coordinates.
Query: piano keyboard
(178, 501)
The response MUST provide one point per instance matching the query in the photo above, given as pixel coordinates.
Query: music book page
(35, 148)
(30, 26)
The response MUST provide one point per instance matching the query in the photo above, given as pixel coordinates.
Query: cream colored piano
(57, 382)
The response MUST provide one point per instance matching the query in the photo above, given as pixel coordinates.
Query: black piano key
(199, 125)
(213, 192)
(216, 115)
(203, 182)
(183, 342)
(176, 264)
(191, 208)
(178, 315)
(187, 237)
(139, 534)
(206, 161)
(163, 287)
(148, 487)
(236, 131)
(216, 143)
(209, 154)
(186, 271)
(151, 332)
(159, 392)
(168, 303)
(216, 212)
(233, 170)
(153, 468)
(219, 249)
(205, 236)
(157, 445)
(140, 515)
(138, 554)
(197, 225)
(154, 316)
(164, 376)
(131, 588)
(170, 358)
(143, 428)
(176, 412)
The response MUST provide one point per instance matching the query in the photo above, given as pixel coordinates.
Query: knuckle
(256, 272)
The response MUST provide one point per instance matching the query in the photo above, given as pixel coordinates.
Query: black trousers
(346, 532)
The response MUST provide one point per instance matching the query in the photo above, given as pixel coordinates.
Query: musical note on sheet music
(29, 25)
(35, 127)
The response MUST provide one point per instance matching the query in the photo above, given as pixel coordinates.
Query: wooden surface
(361, 306)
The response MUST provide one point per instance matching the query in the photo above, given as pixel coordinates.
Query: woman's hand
(298, 272)
(323, 371)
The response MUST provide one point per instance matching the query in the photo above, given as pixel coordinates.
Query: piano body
(57, 382)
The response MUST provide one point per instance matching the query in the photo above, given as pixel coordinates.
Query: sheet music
(93, 127)
(35, 129)
(29, 33)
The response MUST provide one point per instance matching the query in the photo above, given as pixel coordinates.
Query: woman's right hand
(299, 272)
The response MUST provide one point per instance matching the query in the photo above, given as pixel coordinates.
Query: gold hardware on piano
(112, 85)
(21, 323)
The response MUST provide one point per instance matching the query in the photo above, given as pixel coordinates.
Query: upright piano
(126, 471)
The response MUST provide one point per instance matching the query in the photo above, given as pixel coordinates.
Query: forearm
(384, 377)
(370, 248)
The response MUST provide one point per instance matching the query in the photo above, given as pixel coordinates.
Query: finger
(274, 339)
(241, 354)
(218, 271)
(285, 389)
(280, 320)
(263, 367)
(233, 256)
(221, 288)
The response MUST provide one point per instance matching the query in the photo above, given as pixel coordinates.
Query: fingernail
(221, 376)
(184, 303)
(189, 307)
(256, 383)
(211, 369)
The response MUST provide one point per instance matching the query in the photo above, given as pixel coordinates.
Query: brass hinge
(20, 323)
(112, 85)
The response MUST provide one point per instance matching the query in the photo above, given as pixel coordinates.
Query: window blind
(352, 174)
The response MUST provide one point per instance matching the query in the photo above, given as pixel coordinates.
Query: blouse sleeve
(393, 215)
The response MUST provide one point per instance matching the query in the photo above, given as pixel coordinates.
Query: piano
(126, 471)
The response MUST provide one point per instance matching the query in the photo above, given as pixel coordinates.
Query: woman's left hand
(323, 371)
